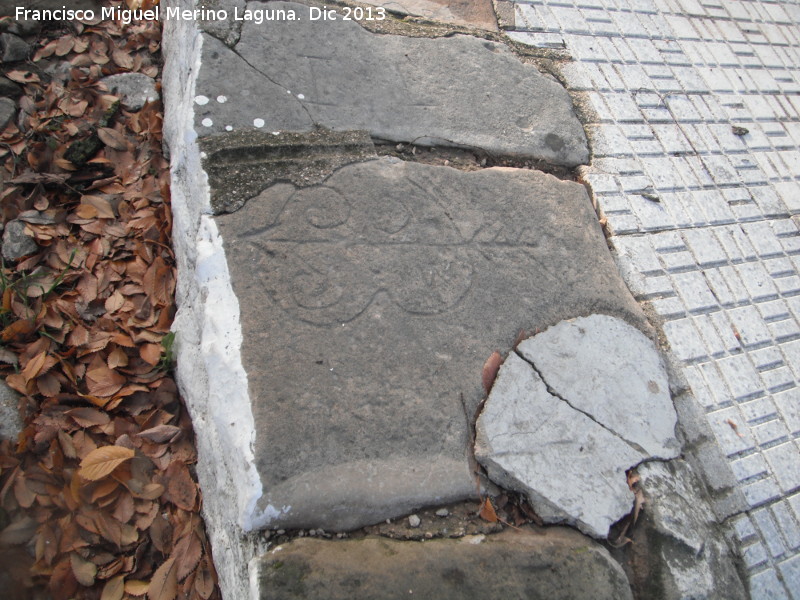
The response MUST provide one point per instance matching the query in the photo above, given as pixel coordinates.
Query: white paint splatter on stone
(201, 100)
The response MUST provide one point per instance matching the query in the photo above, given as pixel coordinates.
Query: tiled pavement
(695, 129)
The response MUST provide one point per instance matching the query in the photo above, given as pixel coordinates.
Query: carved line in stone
(324, 257)
(328, 283)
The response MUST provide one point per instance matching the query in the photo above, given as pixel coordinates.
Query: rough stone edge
(701, 453)
(209, 372)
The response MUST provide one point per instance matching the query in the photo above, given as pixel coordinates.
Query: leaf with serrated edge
(136, 587)
(187, 554)
(114, 589)
(102, 461)
(83, 570)
(164, 584)
(112, 138)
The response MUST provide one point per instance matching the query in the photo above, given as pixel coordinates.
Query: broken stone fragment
(680, 551)
(135, 89)
(15, 243)
(576, 407)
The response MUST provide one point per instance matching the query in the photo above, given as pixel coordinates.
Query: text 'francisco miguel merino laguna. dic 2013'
(258, 16)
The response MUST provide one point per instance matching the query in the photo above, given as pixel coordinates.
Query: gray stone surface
(469, 13)
(135, 89)
(13, 48)
(571, 468)
(369, 304)
(10, 422)
(8, 109)
(610, 371)
(685, 553)
(557, 564)
(9, 89)
(15, 243)
(458, 90)
(579, 405)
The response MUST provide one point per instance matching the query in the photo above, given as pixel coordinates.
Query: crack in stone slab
(400, 88)
(559, 440)
(555, 394)
(608, 368)
(571, 471)
(279, 84)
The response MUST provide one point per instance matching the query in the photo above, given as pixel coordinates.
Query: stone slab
(369, 304)
(610, 371)
(469, 13)
(461, 91)
(557, 564)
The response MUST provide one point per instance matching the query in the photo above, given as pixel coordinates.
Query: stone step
(293, 75)
(557, 564)
(369, 303)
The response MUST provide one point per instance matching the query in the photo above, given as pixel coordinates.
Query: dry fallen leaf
(112, 138)
(83, 337)
(83, 569)
(114, 589)
(735, 427)
(487, 512)
(161, 433)
(204, 578)
(101, 462)
(490, 369)
(181, 488)
(136, 587)
(164, 584)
